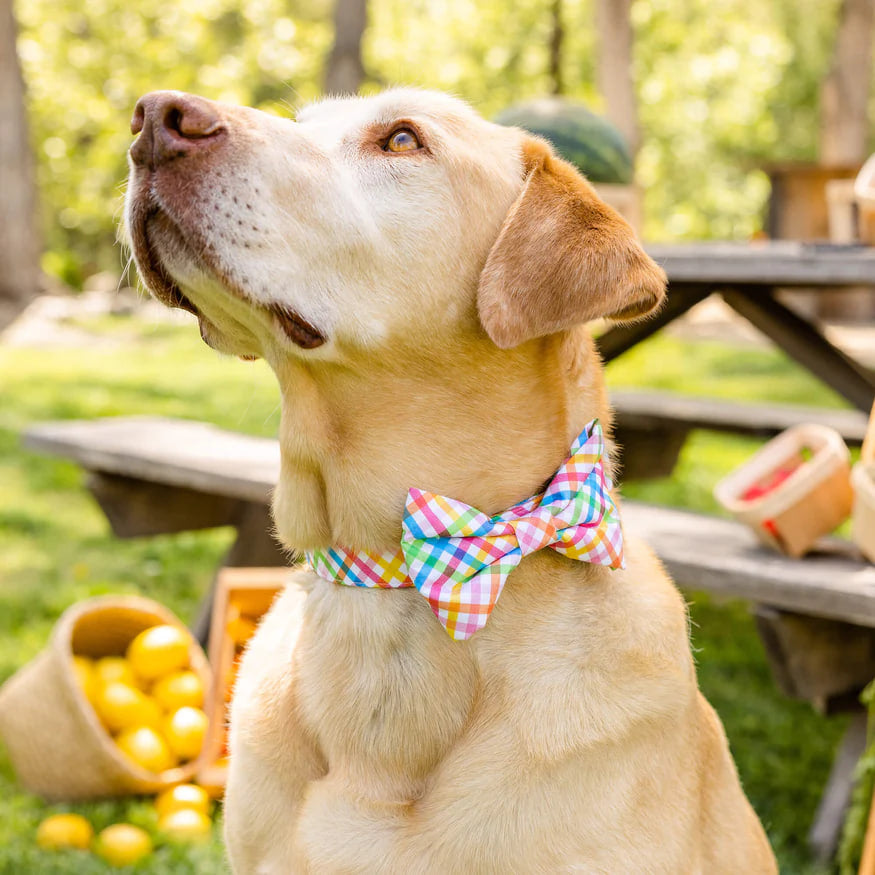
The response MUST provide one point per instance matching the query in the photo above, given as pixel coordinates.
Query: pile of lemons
(150, 700)
(183, 816)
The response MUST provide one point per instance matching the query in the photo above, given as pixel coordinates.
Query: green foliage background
(724, 85)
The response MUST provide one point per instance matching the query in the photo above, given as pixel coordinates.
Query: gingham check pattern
(459, 558)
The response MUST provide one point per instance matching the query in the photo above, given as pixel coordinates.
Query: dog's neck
(487, 428)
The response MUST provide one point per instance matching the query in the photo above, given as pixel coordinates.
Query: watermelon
(590, 142)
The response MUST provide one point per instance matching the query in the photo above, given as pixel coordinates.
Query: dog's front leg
(337, 832)
(260, 817)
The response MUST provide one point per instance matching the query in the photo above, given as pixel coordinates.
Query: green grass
(56, 548)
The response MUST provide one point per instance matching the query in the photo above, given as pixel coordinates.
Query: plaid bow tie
(459, 558)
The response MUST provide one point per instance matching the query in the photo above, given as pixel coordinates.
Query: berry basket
(793, 490)
(56, 743)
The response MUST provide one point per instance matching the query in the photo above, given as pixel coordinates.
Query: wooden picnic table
(652, 427)
(747, 276)
(813, 651)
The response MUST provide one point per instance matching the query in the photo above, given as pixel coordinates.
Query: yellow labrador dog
(418, 279)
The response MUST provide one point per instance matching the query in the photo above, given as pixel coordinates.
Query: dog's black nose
(172, 125)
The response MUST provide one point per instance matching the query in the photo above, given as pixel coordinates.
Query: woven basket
(811, 502)
(56, 743)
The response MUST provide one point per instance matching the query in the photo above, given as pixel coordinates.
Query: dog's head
(409, 270)
(403, 217)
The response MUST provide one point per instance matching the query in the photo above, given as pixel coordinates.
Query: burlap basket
(56, 743)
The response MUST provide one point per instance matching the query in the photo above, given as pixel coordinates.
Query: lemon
(64, 831)
(86, 677)
(185, 825)
(158, 651)
(120, 706)
(183, 796)
(123, 844)
(147, 748)
(178, 690)
(185, 730)
(109, 669)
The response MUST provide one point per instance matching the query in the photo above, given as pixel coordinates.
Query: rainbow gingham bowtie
(459, 558)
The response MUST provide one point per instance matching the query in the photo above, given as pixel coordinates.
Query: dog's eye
(402, 140)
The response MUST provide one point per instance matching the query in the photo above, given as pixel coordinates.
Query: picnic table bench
(651, 427)
(153, 476)
(816, 616)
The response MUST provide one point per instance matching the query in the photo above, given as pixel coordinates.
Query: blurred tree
(344, 71)
(844, 94)
(721, 86)
(19, 246)
(615, 68)
(84, 79)
(557, 37)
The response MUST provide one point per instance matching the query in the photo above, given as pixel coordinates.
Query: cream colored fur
(569, 734)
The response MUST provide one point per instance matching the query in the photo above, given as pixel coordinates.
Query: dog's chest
(385, 691)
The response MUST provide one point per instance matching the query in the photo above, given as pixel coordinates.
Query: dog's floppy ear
(563, 257)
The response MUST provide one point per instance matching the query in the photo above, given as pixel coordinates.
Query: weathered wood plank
(659, 410)
(176, 452)
(721, 556)
(701, 552)
(776, 263)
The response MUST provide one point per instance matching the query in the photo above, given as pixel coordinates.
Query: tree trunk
(615, 78)
(345, 71)
(19, 247)
(844, 93)
(557, 37)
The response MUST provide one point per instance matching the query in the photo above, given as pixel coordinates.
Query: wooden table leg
(827, 826)
(254, 547)
(802, 341)
(623, 336)
(136, 508)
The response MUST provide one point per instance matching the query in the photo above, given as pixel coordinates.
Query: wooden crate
(243, 596)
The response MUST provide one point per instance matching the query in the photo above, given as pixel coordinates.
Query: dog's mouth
(149, 223)
(158, 280)
(296, 328)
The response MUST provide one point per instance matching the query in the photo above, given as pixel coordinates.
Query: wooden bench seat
(653, 426)
(174, 452)
(153, 475)
(722, 556)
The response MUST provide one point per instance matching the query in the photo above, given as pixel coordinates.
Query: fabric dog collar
(459, 558)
